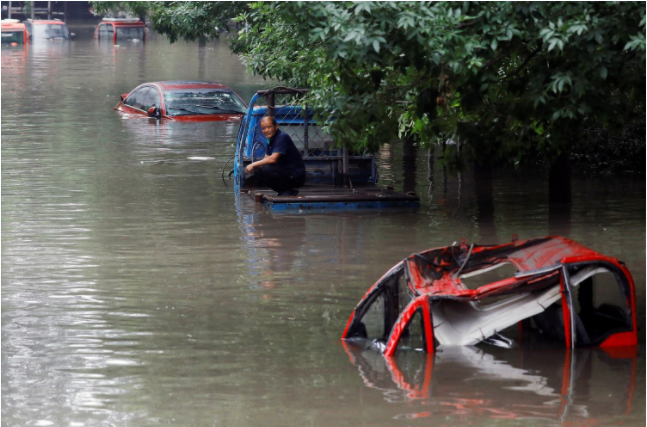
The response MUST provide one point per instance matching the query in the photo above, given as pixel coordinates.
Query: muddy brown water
(139, 290)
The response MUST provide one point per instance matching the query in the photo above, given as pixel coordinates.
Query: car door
(600, 305)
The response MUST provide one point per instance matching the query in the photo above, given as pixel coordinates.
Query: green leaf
(350, 36)
(552, 44)
(494, 44)
(540, 98)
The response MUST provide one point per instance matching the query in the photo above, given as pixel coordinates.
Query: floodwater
(139, 290)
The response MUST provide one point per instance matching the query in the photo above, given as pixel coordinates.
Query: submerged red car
(119, 29)
(48, 29)
(465, 295)
(183, 101)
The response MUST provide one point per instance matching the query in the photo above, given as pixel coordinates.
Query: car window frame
(102, 31)
(136, 104)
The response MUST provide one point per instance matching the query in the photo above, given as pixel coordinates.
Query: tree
(509, 80)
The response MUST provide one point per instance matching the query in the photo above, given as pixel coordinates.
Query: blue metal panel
(339, 206)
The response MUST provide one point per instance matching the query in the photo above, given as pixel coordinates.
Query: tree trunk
(559, 179)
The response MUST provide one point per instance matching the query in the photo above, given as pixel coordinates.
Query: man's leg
(275, 177)
(297, 181)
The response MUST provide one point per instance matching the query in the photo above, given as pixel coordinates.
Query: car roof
(534, 258)
(12, 25)
(189, 84)
(135, 22)
(46, 21)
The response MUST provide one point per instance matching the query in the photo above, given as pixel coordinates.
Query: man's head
(269, 126)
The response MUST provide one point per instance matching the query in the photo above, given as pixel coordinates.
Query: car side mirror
(154, 112)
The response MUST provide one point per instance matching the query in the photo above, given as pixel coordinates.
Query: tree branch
(515, 72)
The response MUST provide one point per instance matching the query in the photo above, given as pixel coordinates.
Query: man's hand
(267, 160)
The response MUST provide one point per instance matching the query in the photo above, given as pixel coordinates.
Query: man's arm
(264, 161)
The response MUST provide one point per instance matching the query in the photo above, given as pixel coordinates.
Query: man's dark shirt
(290, 157)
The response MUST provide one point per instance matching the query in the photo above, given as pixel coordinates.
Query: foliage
(506, 79)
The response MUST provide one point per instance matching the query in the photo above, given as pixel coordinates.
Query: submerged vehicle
(48, 29)
(335, 177)
(551, 285)
(14, 32)
(119, 29)
(181, 100)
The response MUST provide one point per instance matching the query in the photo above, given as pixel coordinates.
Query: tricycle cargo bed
(318, 198)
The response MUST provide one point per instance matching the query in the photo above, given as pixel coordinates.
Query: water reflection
(281, 244)
(275, 243)
(578, 387)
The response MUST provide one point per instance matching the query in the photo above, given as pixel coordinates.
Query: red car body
(560, 288)
(117, 29)
(14, 32)
(183, 101)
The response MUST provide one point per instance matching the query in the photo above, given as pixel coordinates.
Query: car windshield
(12, 36)
(128, 33)
(50, 31)
(202, 101)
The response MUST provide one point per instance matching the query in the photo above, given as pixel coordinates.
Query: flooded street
(138, 289)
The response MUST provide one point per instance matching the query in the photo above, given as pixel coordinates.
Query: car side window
(151, 99)
(102, 31)
(136, 99)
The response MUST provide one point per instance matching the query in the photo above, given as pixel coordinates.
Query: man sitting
(282, 169)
